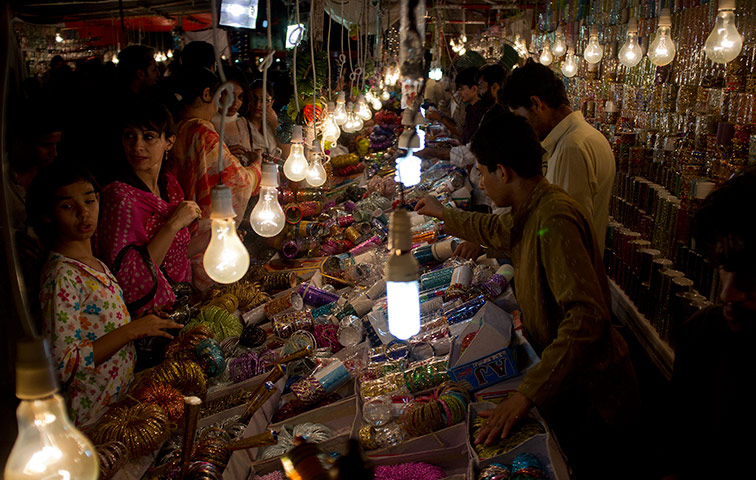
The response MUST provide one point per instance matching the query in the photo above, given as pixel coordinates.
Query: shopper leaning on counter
(584, 385)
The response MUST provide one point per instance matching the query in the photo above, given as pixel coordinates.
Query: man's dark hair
(721, 229)
(492, 74)
(534, 80)
(467, 77)
(523, 152)
(134, 58)
(40, 198)
(198, 54)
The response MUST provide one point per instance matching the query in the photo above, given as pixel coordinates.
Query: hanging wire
(264, 66)
(223, 101)
(328, 50)
(296, 45)
(314, 79)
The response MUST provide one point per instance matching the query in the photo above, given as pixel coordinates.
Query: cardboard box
(490, 357)
(454, 460)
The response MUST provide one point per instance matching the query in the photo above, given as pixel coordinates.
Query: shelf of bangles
(300, 346)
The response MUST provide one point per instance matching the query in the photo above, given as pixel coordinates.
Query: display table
(659, 351)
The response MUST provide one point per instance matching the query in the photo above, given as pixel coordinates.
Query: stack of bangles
(250, 365)
(446, 407)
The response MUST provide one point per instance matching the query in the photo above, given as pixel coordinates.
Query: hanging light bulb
(331, 130)
(340, 113)
(169, 54)
(48, 445)
(402, 288)
(570, 66)
(385, 96)
(435, 74)
(295, 166)
(363, 110)
(58, 38)
(560, 47)
(593, 52)
(316, 174)
(546, 55)
(662, 50)
(351, 125)
(408, 169)
(226, 259)
(724, 42)
(631, 52)
(267, 218)
(520, 46)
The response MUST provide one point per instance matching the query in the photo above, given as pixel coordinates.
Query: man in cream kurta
(579, 158)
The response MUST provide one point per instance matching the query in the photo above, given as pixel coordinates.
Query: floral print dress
(81, 305)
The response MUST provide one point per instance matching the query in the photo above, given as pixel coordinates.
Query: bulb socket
(594, 30)
(400, 233)
(270, 172)
(726, 5)
(221, 202)
(296, 134)
(341, 98)
(34, 372)
(632, 26)
(665, 18)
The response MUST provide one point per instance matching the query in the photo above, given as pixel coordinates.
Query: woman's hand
(150, 326)
(185, 213)
(469, 250)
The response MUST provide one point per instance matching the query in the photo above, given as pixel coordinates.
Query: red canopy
(104, 32)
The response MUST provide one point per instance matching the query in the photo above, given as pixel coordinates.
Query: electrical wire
(218, 97)
(296, 45)
(314, 79)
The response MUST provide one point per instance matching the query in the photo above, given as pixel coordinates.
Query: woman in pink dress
(143, 235)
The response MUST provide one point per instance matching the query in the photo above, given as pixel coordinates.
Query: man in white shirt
(578, 157)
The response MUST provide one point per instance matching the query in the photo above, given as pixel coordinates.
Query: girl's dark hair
(146, 115)
(40, 198)
(259, 84)
(234, 74)
(194, 81)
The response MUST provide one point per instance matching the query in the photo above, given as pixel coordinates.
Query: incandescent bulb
(48, 445)
(593, 52)
(402, 289)
(631, 53)
(340, 113)
(435, 74)
(363, 110)
(385, 96)
(662, 50)
(546, 56)
(560, 47)
(724, 42)
(267, 218)
(58, 38)
(376, 104)
(331, 130)
(226, 259)
(295, 167)
(569, 66)
(316, 174)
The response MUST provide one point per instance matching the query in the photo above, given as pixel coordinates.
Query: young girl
(85, 316)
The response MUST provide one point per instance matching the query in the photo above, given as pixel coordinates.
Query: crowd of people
(115, 224)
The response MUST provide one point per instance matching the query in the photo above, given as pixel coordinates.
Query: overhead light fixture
(316, 174)
(724, 42)
(631, 52)
(560, 47)
(593, 52)
(662, 50)
(569, 66)
(58, 38)
(546, 57)
(402, 287)
(226, 259)
(435, 74)
(48, 444)
(295, 166)
(239, 13)
(267, 218)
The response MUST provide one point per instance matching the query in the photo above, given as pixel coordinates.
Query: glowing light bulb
(385, 96)
(316, 174)
(331, 130)
(435, 74)
(724, 42)
(58, 38)
(363, 110)
(351, 124)
(402, 288)
(295, 166)
(560, 47)
(267, 218)
(546, 56)
(169, 54)
(520, 46)
(376, 104)
(340, 113)
(662, 50)
(593, 52)
(48, 445)
(226, 259)
(570, 66)
(631, 53)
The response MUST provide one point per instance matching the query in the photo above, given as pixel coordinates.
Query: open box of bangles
(451, 462)
(531, 436)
